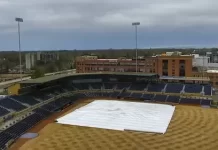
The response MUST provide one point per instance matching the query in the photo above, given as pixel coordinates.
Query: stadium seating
(96, 85)
(4, 139)
(174, 88)
(190, 101)
(124, 94)
(114, 90)
(114, 94)
(193, 88)
(11, 104)
(49, 107)
(3, 111)
(109, 85)
(160, 98)
(42, 112)
(138, 87)
(25, 99)
(136, 95)
(121, 86)
(173, 99)
(147, 97)
(32, 119)
(106, 94)
(207, 90)
(156, 87)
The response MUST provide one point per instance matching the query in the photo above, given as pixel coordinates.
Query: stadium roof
(184, 78)
(59, 76)
(46, 79)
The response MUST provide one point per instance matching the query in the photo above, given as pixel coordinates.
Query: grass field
(191, 128)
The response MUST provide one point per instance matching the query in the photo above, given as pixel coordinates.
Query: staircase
(164, 89)
(183, 89)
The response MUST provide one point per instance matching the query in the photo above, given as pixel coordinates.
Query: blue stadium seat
(147, 96)
(121, 86)
(193, 88)
(174, 88)
(156, 87)
(207, 90)
(32, 119)
(106, 94)
(96, 85)
(173, 99)
(109, 85)
(136, 95)
(138, 87)
(4, 139)
(124, 94)
(3, 111)
(25, 99)
(160, 98)
(49, 107)
(190, 101)
(42, 112)
(11, 104)
(115, 94)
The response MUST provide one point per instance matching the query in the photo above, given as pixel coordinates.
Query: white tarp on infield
(121, 115)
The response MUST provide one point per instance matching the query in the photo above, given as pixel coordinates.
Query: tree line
(10, 59)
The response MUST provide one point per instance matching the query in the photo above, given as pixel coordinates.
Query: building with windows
(174, 65)
(86, 64)
(164, 65)
(45, 57)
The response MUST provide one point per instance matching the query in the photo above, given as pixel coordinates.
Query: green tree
(39, 72)
(51, 67)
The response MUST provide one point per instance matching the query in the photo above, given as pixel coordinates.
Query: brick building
(164, 65)
(174, 65)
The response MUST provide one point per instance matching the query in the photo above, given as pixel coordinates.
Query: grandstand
(40, 98)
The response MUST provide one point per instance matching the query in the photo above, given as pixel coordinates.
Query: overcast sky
(96, 24)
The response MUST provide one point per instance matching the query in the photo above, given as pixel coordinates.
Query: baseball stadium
(108, 111)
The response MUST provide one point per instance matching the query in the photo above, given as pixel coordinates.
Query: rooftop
(212, 71)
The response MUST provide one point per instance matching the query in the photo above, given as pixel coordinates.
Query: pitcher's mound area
(121, 115)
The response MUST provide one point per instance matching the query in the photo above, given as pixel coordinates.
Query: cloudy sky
(96, 24)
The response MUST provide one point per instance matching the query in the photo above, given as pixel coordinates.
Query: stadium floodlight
(18, 20)
(136, 40)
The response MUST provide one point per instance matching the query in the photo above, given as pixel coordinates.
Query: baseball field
(191, 128)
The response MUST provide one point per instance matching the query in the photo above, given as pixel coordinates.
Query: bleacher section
(207, 90)
(157, 92)
(174, 88)
(3, 111)
(193, 88)
(138, 87)
(156, 87)
(173, 99)
(109, 85)
(160, 98)
(147, 97)
(11, 104)
(26, 99)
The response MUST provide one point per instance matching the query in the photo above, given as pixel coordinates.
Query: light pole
(18, 20)
(136, 42)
